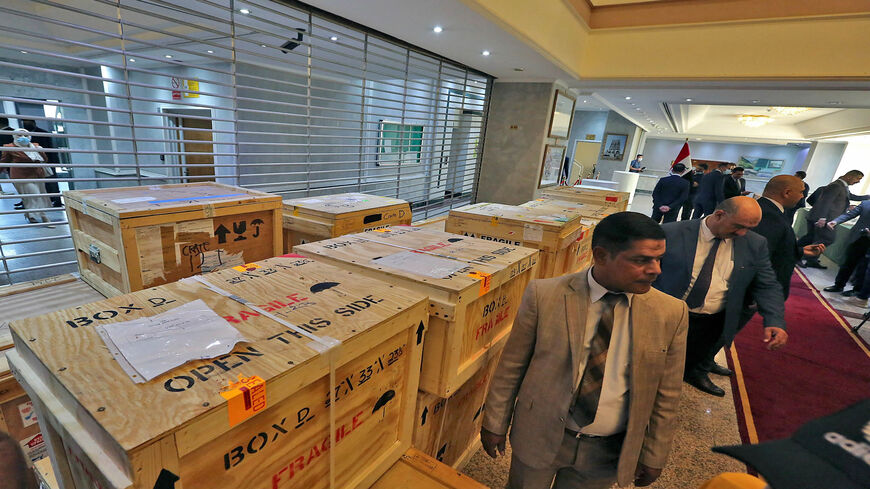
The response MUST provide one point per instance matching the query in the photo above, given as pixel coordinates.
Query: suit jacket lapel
(639, 317)
(576, 305)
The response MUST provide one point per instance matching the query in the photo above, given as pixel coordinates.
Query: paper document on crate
(149, 346)
(421, 264)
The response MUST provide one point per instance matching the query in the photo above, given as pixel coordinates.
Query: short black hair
(617, 232)
(800, 174)
(679, 168)
(738, 169)
(702, 165)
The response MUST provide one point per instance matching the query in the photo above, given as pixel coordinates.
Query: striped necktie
(586, 402)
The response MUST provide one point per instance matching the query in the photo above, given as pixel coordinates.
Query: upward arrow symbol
(221, 232)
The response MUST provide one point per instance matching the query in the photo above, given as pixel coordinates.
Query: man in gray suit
(717, 265)
(831, 201)
(591, 372)
(859, 243)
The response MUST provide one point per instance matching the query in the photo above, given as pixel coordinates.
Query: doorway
(584, 160)
(190, 131)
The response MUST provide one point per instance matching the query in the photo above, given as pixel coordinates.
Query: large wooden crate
(593, 212)
(471, 310)
(17, 416)
(133, 238)
(609, 198)
(559, 235)
(416, 470)
(330, 216)
(103, 430)
(449, 428)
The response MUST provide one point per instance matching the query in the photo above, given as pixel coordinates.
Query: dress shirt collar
(843, 182)
(777, 204)
(597, 291)
(706, 234)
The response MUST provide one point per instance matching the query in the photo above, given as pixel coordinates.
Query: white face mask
(22, 140)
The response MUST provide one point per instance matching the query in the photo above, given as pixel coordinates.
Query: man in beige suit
(592, 370)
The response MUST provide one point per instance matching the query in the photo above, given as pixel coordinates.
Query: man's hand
(493, 444)
(644, 476)
(832, 225)
(775, 337)
(664, 208)
(821, 222)
(814, 250)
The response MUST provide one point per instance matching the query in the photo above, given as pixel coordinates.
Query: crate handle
(372, 218)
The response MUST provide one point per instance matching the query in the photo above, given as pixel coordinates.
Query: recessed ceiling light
(168, 56)
(756, 101)
(834, 102)
(333, 38)
(627, 98)
(244, 11)
(485, 53)
(585, 101)
(262, 45)
(437, 29)
(210, 51)
(132, 60)
(688, 100)
(23, 52)
(637, 108)
(519, 69)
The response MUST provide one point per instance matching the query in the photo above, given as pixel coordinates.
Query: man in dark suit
(710, 193)
(694, 178)
(831, 201)
(717, 266)
(803, 202)
(669, 194)
(859, 243)
(734, 184)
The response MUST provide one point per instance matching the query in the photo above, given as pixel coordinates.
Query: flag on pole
(683, 157)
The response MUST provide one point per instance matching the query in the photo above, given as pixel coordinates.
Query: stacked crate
(474, 288)
(608, 198)
(104, 430)
(329, 216)
(558, 234)
(133, 238)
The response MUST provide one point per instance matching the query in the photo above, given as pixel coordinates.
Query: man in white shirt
(591, 372)
(728, 266)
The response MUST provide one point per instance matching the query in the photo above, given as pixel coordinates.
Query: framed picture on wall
(552, 167)
(614, 146)
(563, 112)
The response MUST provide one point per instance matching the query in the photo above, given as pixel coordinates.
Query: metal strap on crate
(324, 345)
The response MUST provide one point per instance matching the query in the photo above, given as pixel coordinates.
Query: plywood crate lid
(546, 229)
(565, 219)
(614, 196)
(587, 211)
(149, 200)
(340, 204)
(311, 295)
(497, 261)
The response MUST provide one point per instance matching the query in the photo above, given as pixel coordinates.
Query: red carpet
(823, 368)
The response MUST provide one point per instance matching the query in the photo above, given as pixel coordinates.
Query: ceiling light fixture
(210, 51)
(756, 101)
(244, 11)
(519, 69)
(754, 120)
(437, 29)
(485, 53)
(262, 45)
(132, 60)
(834, 102)
(789, 111)
(167, 56)
(23, 52)
(627, 98)
(333, 38)
(688, 100)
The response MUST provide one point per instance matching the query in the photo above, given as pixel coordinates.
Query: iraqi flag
(683, 157)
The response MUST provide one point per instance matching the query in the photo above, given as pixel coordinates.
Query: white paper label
(34, 448)
(131, 200)
(533, 232)
(421, 264)
(28, 415)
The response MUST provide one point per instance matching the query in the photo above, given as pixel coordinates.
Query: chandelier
(789, 111)
(754, 120)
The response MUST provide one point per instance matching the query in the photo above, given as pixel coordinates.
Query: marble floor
(705, 421)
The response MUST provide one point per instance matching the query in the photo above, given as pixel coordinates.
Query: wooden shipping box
(133, 238)
(416, 470)
(433, 223)
(558, 235)
(610, 198)
(330, 216)
(594, 212)
(17, 416)
(449, 428)
(471, 310)
(583, 250)
(103, 430)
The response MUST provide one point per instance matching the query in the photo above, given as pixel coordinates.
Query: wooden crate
(583, 250)
(433, 223)
(609, 198)
(449, 428)
(559, 235)
(471, 311)
(19, 301)
(103, 430)
(330, 216)
(133, 238)
(416, 470)
(593, 212)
